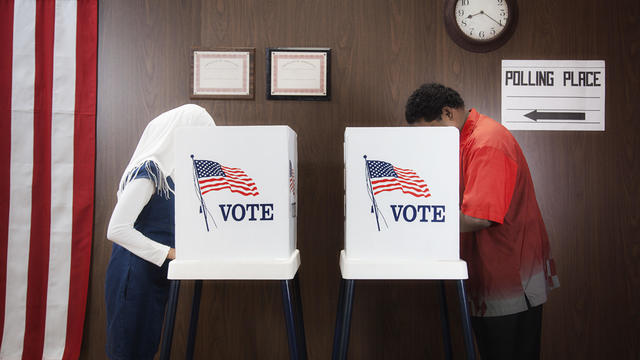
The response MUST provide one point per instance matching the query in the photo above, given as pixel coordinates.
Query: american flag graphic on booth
(386, 177)
(213, 176)
(292, 179)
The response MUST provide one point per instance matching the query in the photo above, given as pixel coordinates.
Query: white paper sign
(553, 95)
(298, 73)
(221, 73)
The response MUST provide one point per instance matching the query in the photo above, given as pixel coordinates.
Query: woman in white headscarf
(142, 229)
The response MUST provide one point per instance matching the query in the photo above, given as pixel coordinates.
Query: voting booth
(401, 216)
(235, 218)
(402, 204)
(236, 193)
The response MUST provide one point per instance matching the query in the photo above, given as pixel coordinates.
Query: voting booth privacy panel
(402, 204)
(236, 191)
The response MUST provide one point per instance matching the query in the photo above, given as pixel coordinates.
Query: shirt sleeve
(489, 182)
(132, 200)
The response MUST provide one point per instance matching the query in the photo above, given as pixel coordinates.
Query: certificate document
(298, 73)
(221, 73)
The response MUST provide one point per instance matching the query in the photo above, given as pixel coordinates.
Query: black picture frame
(274, 58)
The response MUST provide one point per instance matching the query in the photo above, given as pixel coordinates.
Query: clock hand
(494, 20)
(471, 16)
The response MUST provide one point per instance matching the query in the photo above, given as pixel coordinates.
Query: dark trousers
(515, 336)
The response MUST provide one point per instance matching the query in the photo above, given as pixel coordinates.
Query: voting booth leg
(169, 320)
(193, 324)
(296, 351)
(343, 319)
(444, 318)
(302, 340)
(337, 334)
(466, 321)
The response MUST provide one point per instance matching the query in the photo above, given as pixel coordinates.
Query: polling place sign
(553, 95)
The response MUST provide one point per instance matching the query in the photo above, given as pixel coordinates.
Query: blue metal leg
(169, 320)
(343, 321)
(466, 321)
(193, 324)
(337, 334)
(444, 318)
(289, 319)
(302, 341)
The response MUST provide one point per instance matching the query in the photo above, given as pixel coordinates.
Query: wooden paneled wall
(587, 183)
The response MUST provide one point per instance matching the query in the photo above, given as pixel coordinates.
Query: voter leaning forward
(142, 229)
(503, 238)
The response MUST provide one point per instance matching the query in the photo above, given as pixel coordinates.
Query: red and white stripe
(292, 180)
(48, 60)
(236, 181)
(408, 181)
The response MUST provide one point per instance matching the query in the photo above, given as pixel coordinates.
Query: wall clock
(480, 25)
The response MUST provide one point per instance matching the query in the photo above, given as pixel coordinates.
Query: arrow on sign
(536, 115)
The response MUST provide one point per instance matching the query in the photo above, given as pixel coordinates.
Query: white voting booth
(235, 218)
(236, 192)
(401, 217)
(402, 207)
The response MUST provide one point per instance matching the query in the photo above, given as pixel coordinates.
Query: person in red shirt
(503, 238)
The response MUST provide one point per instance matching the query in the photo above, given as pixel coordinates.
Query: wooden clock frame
(474, 45)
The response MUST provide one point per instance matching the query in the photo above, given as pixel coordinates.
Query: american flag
(292, 179)
(386, 177)
(213, 177)
(48, 57)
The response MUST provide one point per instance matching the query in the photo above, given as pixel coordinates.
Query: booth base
(401, 269)
(234, 270)
(358, 269)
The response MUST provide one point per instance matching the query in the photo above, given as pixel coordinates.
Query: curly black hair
(428, 100)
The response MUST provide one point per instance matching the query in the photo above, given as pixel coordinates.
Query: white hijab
(156, 144)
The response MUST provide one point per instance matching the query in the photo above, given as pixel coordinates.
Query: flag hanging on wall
(48, 55)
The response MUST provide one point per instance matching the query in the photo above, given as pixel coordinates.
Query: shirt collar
(469, 125)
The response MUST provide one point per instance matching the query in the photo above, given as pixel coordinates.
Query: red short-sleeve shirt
(510, 260)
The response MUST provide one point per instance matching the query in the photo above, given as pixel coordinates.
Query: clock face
(482, 20)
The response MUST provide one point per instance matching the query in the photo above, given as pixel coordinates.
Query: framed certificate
(223, 73)
(298, 74)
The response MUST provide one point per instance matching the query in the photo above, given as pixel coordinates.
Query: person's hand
(172, 254)
(470, 224)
